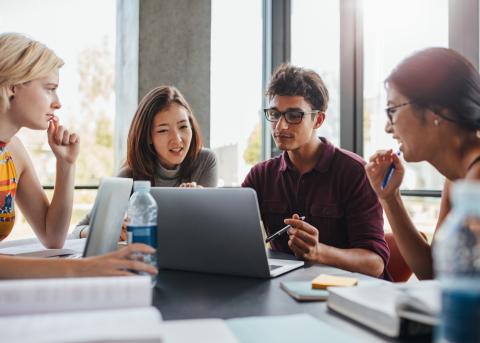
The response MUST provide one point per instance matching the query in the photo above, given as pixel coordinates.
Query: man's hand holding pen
(303, 239)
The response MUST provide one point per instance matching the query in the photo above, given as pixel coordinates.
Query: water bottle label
(142, 234)
(460, 316)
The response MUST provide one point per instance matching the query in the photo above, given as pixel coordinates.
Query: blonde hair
(21, 60)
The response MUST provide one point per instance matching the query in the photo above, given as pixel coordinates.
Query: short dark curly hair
(289, 80)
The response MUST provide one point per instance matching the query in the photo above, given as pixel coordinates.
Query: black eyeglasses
(391, 110)
(291, 117)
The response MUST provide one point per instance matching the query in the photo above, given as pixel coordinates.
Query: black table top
(189, 295)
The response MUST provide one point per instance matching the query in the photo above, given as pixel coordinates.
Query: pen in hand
(389, 174)
(281, 231)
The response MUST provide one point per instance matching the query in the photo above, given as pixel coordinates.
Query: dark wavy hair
(141, 156)
(289, 80)
(439, 79)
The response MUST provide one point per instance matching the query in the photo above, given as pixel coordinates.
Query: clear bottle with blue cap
(456, 253)
(142, 220)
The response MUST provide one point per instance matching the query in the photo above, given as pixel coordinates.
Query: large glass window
(392, 31)
(82, 33)
(236, 87)
(315, 45)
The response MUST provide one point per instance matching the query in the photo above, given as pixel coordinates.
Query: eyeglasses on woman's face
(390, 111)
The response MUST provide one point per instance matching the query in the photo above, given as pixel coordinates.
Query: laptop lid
(214, 230)
(107, 215)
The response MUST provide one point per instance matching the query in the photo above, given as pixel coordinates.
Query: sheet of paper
(73, 294)
(198, 331)
(72, 246)
(298, 328)
(125, 325)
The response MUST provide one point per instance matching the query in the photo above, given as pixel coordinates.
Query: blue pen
(389, 173)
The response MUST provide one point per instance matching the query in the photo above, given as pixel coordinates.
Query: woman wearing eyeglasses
(433, 100)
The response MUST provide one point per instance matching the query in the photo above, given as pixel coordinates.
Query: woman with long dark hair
(165, 146)
(433, 100)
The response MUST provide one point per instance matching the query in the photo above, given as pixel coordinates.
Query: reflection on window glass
(424, 212)
(82, 33)
(236, 87)
(315, 44)
(392, 31)
(82, 203)
(86, 87)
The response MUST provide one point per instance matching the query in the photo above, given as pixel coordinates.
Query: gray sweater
(205, 174)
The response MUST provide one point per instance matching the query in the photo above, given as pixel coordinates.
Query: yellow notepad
(323, 281)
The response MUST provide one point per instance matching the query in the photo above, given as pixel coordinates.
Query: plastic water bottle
(142, 220)
(457, 266)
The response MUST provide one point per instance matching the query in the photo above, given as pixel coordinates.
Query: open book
(104, 309)
(391, 309)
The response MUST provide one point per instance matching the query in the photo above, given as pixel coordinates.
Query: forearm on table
(21, 267)
(355, 260)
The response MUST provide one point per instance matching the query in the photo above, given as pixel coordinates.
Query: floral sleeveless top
(8, 187)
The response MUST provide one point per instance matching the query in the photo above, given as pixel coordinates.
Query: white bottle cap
(141, 186)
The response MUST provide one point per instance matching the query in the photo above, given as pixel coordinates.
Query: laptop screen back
(215, 230)
(107, 215)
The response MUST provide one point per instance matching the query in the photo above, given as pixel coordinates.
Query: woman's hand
(65, 145)
(377, 168)
(117, 263)
(192, 184)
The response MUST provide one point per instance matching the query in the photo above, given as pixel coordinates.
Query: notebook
(302, 291)
(298, 328)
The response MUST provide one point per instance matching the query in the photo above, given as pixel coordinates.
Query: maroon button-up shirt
(335, 197)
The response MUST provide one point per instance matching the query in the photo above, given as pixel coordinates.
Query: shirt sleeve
(82, 225)
(364, 215)
(209, 175)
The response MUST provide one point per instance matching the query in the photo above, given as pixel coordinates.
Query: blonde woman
(29, 77)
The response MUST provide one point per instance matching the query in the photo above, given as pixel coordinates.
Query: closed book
(392, 309)
(98, 309)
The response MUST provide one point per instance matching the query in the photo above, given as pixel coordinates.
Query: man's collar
(324, 161)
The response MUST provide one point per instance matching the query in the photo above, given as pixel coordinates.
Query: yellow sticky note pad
(323, 281)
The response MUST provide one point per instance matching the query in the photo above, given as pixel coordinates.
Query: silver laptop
(214, 230)
(107, 215)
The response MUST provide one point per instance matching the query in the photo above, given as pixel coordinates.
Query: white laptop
(107, 215)
(105, 225)
(214, 230)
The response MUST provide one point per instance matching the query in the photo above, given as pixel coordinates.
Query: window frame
(463, 36)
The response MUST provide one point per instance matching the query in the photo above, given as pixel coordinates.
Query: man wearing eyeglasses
(343, 224)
